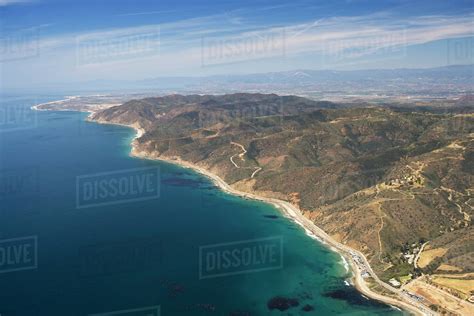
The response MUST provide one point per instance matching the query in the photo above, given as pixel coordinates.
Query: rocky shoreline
(357, 261)
(293, 213)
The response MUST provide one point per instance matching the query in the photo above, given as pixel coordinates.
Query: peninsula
(389, 187)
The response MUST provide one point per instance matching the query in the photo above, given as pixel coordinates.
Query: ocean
(85, 229)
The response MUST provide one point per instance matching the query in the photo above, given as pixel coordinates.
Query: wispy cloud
(172, 47)
(335, 33)
(303, 37)
(146, 13)
(4, 3)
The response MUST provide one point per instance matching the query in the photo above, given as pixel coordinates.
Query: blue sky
(61, 41)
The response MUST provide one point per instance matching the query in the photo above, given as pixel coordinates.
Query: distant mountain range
(449, 74)
(432, 82)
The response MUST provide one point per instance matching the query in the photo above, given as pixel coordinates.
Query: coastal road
(403, 300)
(354, 256)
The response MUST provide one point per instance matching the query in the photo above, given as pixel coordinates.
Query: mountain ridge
(386, 181)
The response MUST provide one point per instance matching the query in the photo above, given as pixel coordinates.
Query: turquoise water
(144, 249)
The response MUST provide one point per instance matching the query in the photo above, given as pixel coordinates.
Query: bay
(183, 247)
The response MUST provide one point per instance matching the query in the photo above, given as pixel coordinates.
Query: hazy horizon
(49, 41)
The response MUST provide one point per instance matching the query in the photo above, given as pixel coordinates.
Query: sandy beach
(349, 255)
(37, 107)
(351, 258)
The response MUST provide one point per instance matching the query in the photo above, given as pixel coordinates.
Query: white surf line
(310, 228)
(345, 264)
(139, 132)
(36, 107)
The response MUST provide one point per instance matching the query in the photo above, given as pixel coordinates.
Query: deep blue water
(142, 249)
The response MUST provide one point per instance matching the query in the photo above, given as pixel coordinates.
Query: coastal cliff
(383, 180)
